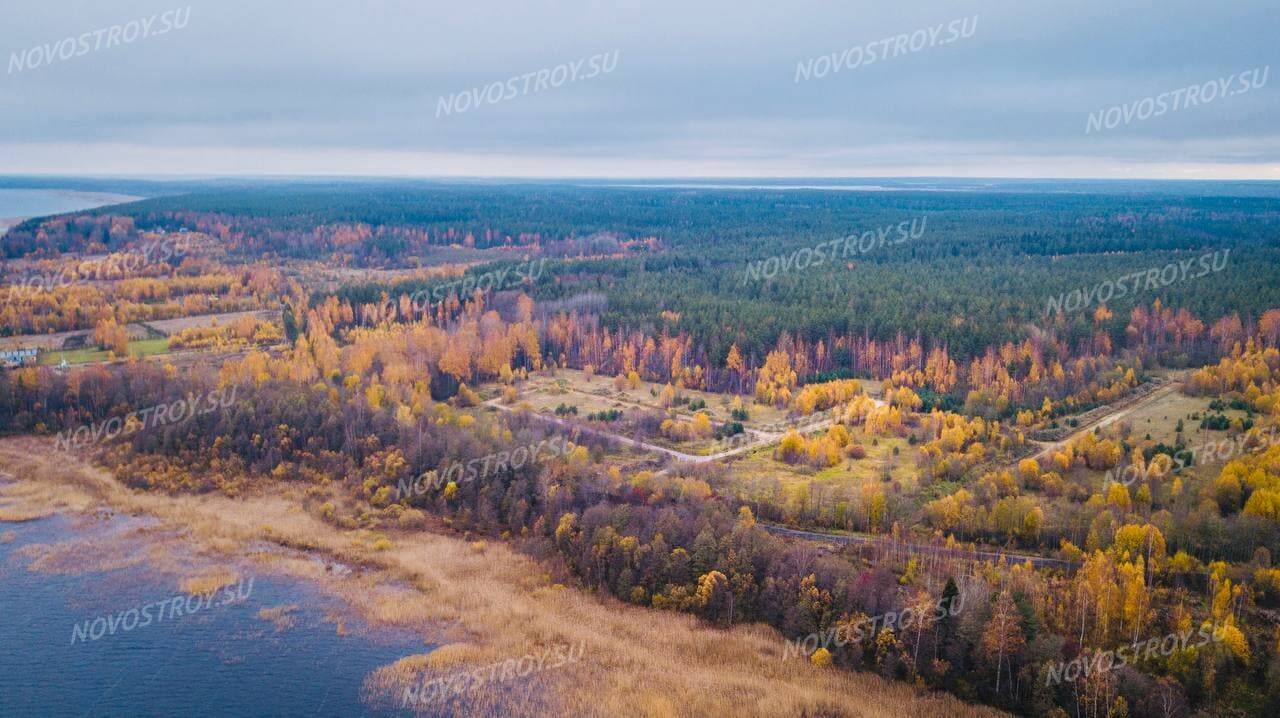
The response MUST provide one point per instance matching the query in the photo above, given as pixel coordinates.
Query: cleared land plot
(698, 447)
(170, 326)
(40, 341)
(572, 386)
(577, 397)
(879, 462)
(56, 340)
(1160, 419)
(544, 397)
(545, 393)
(140, 349)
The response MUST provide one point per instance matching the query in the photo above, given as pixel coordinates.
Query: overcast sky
(693, 88)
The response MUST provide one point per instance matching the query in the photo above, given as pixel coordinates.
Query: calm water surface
(219, 660)
(16, 203)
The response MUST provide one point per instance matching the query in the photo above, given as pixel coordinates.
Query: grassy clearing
(849, 473)
(573, 383)
(544, 397)
(140, 349)
(1160, 418)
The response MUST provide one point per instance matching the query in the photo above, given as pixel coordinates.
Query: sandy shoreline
(485, 603)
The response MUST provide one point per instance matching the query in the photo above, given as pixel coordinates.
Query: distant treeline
(981, 271)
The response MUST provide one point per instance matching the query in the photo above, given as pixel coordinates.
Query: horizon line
(174, 176)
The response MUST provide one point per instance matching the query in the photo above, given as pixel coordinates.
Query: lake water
(219, 658)
(16, 204)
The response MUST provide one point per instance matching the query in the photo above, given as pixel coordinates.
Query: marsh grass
(18, 514)
(209, 580)
(492, 605)
(281, 617)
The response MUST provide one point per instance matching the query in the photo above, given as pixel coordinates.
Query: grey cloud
(714, 81)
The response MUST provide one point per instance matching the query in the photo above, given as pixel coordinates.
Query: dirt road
(1120, 410)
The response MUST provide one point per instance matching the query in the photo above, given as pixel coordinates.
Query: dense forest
(976, 270)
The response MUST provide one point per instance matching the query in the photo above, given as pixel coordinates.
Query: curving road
(764, 438)
(1122, 408)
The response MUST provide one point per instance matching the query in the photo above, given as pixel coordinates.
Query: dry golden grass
(387, 679)
(1159, 418)
(572, 387)
(17, 514)
(282, 617)
(500, 604)
(454, 655)
(16, 502)
(387, 686)
(209, 580)
(849, 474)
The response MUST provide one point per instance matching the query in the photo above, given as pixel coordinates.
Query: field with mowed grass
(139, 349)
